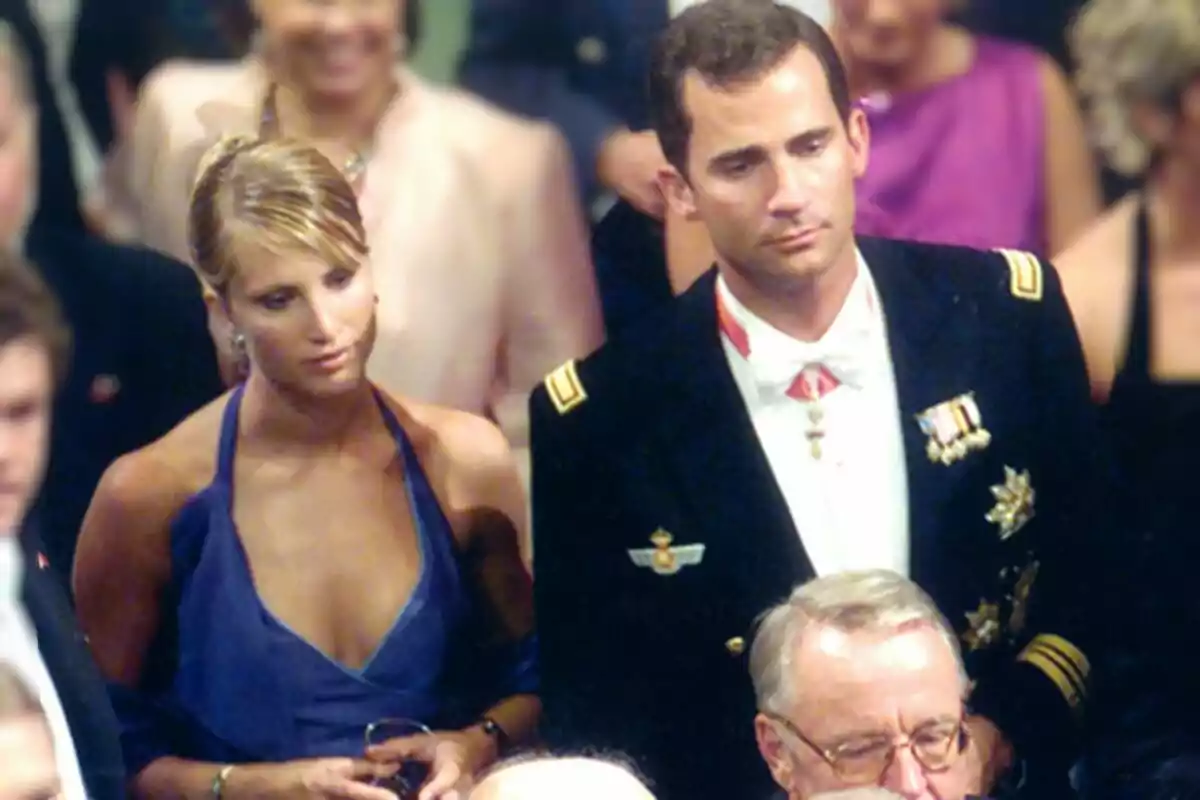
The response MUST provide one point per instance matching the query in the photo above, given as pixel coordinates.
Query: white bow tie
(775, 372)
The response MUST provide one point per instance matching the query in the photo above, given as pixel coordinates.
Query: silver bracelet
(218, 784)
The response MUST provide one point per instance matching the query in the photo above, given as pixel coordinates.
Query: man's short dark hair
(29, 309)
(731, 42)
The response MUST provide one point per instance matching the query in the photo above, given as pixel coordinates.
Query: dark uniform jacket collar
(713, 447)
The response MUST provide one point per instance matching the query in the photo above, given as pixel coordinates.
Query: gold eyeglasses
(935, 746)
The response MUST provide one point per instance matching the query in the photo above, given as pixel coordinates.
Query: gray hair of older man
(869, 600)
(540, 776)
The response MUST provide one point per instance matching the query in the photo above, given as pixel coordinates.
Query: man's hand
(629, 164)
(989, 753)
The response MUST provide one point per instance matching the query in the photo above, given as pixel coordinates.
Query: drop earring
(241, 358)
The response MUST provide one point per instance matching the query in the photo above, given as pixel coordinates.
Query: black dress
(1147, 732)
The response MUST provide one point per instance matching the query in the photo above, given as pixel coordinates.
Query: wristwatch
(498, 734)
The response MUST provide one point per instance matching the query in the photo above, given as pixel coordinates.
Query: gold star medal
(1014, 502)
(984, 627)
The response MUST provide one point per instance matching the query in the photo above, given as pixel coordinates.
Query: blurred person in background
(308, 555)
(1133, 282)
(56, 205)
(142, 359)
(476, 236)
(1042, 24)
(37, 628)
(28, 770)
(86, 59)
(117, 43)
(582, 66)
(950, 112)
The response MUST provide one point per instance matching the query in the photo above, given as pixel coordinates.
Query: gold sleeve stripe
(1064, 647)
(1066, 667)
(1054, 673)
(1025, 274)
(564, 388)
(1062, 662)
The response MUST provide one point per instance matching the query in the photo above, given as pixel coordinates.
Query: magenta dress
(962, 162)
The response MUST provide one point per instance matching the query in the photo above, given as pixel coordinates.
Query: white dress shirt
(819, 10)
(850, 506)
(19, 648)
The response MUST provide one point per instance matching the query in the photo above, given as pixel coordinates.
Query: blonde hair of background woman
(1132, 52)
(281, 194)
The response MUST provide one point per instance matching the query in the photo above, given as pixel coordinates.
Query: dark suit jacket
(80, 688)
(142, 361)
(582, 65)
(130, 37)
(655, 665)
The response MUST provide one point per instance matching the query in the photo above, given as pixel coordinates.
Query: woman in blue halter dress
(1134, 286)
(306, 556)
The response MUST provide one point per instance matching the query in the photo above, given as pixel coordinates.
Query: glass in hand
(411, 774)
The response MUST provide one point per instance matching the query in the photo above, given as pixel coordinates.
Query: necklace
(354, 167)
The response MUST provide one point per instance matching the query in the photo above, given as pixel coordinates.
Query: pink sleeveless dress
(961, 162)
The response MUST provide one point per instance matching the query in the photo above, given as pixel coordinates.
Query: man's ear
(678, 193)
(773, 751)
(858, 132)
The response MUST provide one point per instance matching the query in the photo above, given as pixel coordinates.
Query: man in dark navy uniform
(816, 403)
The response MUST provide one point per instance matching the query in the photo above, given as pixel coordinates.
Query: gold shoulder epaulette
(564, 388)
(1061, 662)
(1025, 274)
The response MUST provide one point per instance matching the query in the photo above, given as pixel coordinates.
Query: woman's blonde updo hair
(281, 195)
(1132, 52)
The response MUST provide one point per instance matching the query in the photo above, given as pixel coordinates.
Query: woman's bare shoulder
(164, 473)
(471, 468)
(1097, 278)
(1103, 254)
(126, 529)
(464, 440)
(466, 458)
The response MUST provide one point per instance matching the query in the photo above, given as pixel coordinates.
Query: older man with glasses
(860, 683)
